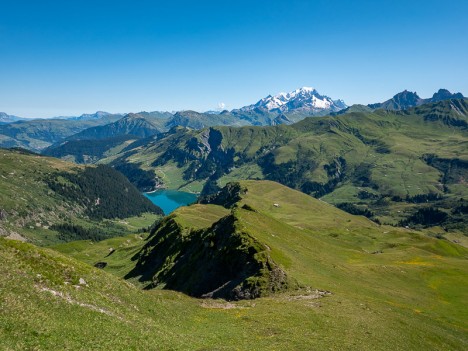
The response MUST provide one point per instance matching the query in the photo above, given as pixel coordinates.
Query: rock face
(400, 101)
(444, 94)
(407, 99)
(226, 197)
(223, 261)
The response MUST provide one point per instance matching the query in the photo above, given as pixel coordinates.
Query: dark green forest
(103, 191)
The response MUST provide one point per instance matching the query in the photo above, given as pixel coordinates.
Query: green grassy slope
(47, 200)
(388, 164)
(390, 288)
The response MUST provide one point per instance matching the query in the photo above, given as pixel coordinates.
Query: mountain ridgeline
(407, 99)
(37, 135)
(51, 136)
(385, 164)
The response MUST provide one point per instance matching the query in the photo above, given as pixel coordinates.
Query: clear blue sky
(73, 57)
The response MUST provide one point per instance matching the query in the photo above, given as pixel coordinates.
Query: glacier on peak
(302, 99)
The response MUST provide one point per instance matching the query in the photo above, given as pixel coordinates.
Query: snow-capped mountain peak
(304, 99)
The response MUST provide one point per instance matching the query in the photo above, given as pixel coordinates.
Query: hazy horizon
(216, 108)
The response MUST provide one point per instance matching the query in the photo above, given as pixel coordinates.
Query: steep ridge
(227, 257)
(222, 261)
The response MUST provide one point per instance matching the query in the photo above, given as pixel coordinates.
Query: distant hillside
(353, 108)
(196, 120)
(47, 200)
(5, 118)
(130, 125)
(385, 164)
(91, 116)
(40, 133)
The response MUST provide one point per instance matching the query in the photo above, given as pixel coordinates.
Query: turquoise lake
(170, 200)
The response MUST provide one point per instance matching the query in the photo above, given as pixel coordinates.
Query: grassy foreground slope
(46, 200)
(390, 288)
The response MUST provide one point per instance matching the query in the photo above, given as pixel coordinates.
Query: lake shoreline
(170, 200)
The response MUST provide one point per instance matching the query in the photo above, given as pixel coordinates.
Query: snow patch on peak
(305, 99)
(306, 89)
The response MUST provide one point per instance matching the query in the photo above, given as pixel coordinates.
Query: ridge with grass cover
(360, 286)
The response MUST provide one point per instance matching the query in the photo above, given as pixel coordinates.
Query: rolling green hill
(387, 165)
(47, 200)
(352, 284)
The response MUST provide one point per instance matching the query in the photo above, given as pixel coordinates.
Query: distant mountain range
(4, 118)
(37, 134)
(282, 108)
(407, 99)
(91, 116)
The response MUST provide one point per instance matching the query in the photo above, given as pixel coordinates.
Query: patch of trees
(336, 172)
(418, 199)
(453, 169)
(461, 209)
(355, 210)
(428, 216)
(291, 173)
(144, 180)
(71, 232)
(102, 191)
(294, 173)
(362, 176)
(421, 198)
